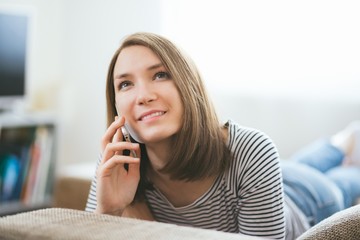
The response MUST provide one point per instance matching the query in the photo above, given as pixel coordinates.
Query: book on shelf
(26, 164)
(45, 141)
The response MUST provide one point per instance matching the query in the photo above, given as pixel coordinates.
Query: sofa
(67, 220)
(62, 223)
(282, 119)
(340, 226)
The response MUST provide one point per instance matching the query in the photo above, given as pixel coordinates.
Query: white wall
(93, 31)
(289, 68)
(308, 47)
(254, 56)
(73, 43)
(291, 122)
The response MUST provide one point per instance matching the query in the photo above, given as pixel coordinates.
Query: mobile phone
(128, 130)
(127, 138)
(126, 134)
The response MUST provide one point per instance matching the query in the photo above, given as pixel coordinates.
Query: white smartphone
(127, 138)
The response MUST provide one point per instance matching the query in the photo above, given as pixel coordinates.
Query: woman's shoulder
(244, 133)
(249, 144)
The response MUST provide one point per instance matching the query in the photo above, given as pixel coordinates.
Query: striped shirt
(247, 198)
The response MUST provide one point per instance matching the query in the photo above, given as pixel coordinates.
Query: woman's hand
(139, 210)
(116, 186)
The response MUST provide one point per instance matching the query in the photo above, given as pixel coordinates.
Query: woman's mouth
(151, 115)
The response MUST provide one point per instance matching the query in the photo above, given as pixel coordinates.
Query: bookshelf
(27, 162)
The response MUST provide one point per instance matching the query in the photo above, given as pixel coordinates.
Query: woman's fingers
(120, 160)
(116, 163)
(135, 168)
(112, 130)
(118, 135)
(112, 148)
(117, 138)
(118, 174)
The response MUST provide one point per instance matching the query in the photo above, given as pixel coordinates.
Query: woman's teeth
(155, 114)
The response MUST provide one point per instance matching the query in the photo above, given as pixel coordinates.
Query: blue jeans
(316, 181)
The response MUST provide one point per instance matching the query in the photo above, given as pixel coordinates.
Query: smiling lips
(151, 115)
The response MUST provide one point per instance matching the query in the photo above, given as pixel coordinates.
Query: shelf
(16, 207)
(27, 162)
(10, 119)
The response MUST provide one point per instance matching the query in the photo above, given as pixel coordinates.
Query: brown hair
(199, 150)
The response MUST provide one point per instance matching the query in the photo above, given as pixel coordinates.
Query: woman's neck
(159, 154)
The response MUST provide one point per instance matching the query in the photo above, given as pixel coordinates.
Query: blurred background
(288, 68)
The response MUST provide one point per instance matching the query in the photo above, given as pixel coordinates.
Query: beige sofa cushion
(344, 225)
(58, 223)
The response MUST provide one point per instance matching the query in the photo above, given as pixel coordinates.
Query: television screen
(14, 32)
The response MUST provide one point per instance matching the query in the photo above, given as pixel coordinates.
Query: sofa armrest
(60, 223)
(342, 225)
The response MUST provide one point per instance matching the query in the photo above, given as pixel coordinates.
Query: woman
(193, 170)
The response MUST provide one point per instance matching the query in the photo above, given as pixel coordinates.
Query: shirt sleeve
(91, 201)
(259, 184)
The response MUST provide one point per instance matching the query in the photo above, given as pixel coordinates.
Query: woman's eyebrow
(125, 75)
(155, 66)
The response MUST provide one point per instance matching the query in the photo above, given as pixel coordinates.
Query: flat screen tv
(14, 54)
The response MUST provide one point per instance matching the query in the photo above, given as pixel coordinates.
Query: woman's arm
(261, 210)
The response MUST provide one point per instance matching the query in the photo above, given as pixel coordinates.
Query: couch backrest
(291, 122)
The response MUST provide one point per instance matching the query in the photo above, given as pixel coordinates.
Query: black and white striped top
(246, 199)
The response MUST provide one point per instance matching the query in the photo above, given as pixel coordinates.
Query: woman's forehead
(135, 58)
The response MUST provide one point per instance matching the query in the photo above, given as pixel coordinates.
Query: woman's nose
(145, 94)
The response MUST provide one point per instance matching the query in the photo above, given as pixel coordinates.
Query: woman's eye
(162, 75)
(124, 84)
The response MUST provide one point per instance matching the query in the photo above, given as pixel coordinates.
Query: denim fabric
(312, 192)
(320, 155)
(348, 180)
(315, 180)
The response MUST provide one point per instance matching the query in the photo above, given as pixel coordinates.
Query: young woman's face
(146, 95)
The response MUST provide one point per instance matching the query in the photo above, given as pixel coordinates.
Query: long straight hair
(199, 149)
